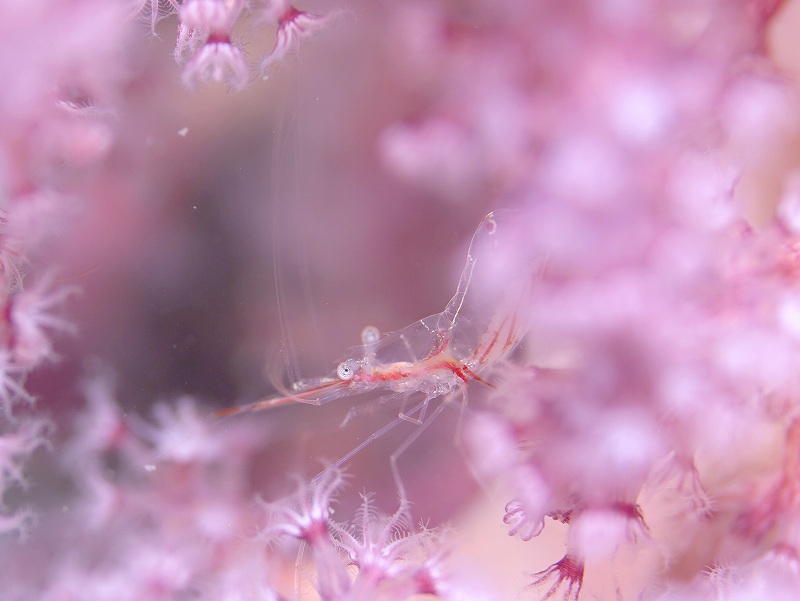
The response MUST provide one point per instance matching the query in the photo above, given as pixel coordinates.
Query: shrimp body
(434, 356)
(433, 376)
(437, 374)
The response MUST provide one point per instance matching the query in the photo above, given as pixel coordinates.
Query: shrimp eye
(345, 371)
(370, 335)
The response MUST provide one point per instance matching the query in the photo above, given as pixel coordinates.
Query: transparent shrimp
(440, 354)
(435, 355)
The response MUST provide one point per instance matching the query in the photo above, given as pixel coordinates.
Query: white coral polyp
(219, 62)
(293, 26)
(210, 15)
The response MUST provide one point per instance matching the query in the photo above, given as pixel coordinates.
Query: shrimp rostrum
(438, 355)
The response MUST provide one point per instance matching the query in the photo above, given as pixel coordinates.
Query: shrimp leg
(398, 481)
(371, 438)
(353, 452)
(423, 424)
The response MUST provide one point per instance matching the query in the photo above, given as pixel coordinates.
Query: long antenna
(448, 317)
(282, 139)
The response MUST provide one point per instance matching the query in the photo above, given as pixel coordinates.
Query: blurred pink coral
(638, 328)
(52, 53)
(32, 317)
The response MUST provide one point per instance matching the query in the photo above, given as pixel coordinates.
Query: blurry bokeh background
(246, 238)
